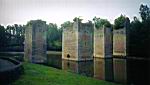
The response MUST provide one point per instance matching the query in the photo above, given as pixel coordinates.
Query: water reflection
(120, 70)
(125, 71)
(103, 69)
(17, 55)
(131, 71)
(138, 71)
(84, 68)
(128, 71)
(54, 60)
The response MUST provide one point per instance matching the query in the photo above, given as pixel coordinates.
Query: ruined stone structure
(35, 41)
(77, 43)
(121, 40)
(103, 42)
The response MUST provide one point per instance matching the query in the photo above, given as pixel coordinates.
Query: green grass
(43, 75)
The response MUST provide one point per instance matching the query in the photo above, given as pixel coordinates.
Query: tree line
(140, 33)
(12, 37)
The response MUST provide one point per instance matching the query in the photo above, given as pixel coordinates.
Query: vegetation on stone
(99, 23)
(66, 24)
(77, 19)
(119, 22)
(35, 22)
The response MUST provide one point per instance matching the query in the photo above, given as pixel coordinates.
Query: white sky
(59, 11)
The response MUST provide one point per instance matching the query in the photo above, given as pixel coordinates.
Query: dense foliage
(144, 12)
(54, 37)
(140, 34)
(66, 24)
(12, 38)
(101, 22)
(3, 36)
(119, 22)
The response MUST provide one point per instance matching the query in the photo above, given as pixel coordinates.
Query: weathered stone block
(120, 40)
(77, 43)
(35, 41)
(103, 42)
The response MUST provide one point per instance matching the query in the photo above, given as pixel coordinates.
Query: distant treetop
(144, 12)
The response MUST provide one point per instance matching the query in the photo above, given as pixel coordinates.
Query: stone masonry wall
(121, 40)
(85, 41)
(103, 42)
(28, 43)
(35, 41)
(69, 48)
(78, 42)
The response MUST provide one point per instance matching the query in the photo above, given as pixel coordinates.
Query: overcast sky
(58, 11)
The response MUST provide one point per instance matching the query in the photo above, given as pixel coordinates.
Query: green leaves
(66, 24)
(54, 36)
(144, 12)
(101, 22)
(119, 22)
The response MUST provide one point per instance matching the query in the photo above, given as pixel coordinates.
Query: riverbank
(48, 52)
(35, 74)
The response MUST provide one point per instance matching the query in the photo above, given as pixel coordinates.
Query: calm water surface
(125, 71)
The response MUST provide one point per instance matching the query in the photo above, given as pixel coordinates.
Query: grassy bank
(42, 75)
(48, 52)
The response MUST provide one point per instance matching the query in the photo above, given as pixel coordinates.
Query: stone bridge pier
(77, 43)
(121, 40)
(35, 41)
(103, 42)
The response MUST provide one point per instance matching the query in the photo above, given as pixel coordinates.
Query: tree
(140, 34)
(100, 22)
(54, 37)
(119, 22)
(3, 38)
(144, 12)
